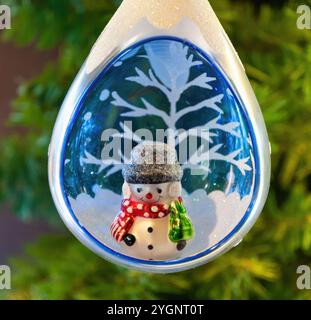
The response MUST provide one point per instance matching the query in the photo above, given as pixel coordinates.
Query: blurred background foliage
(277, 58)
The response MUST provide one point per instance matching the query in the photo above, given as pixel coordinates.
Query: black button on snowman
(153, 222)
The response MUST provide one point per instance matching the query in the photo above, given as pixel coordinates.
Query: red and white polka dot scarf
(130, 210)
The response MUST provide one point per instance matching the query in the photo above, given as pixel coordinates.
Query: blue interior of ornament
(166, 73)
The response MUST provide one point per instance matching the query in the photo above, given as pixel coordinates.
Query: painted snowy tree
(172, 71)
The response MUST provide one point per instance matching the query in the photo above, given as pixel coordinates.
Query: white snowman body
(152, 234)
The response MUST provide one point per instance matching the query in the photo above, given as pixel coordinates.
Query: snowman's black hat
(153, 163)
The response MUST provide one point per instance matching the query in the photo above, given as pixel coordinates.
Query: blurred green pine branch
(277, 57)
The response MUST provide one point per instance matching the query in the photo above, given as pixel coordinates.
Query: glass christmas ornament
(162, 74)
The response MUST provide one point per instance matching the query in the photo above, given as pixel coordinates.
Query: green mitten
(181, 227)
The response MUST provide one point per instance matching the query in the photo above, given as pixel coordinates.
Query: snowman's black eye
(139, 190)
(159, 190)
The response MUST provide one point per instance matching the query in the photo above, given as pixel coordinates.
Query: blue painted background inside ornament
(147, 73)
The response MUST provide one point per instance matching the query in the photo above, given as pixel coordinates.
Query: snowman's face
(155, 193)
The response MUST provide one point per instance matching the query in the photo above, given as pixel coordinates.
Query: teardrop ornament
(160, 158)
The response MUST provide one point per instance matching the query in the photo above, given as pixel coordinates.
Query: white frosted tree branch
(229, 127)
(190, 60)
(197, 160)
(137, 112)
(208, 128)
(152, 110)
(209, 103)
(201, 81)
(102, 164)
(241, 164)
(150, 81)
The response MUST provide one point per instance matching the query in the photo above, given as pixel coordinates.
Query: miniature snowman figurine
(153, 222)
